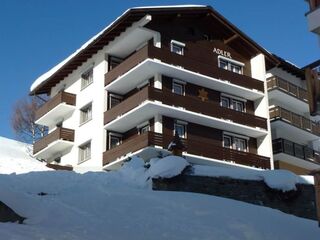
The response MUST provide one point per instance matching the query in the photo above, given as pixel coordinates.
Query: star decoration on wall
(203, 94)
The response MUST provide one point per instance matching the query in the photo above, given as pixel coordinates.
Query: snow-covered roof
(171, 6)
(49, 75)
(53, 70)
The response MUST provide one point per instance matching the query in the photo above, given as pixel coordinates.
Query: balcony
(293, 124)
(150, 101)
(287, 93)
(56, 109)
(149, 60)
(132, 145)
(313, 16)
(288, 88)
(196, 147)
(58, 141)
(295, 152)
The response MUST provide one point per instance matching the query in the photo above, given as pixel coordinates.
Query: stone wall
(300, 203)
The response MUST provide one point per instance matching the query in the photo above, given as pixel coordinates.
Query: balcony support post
(157, 81)
(158, 123)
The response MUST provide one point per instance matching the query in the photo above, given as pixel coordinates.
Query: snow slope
(121, 205)
(14, 158)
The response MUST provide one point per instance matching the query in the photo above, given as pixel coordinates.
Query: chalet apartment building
(157, 71)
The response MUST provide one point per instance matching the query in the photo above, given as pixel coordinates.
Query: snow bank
(15, 158)
(167, 167)
(277, 179)
(105, 205)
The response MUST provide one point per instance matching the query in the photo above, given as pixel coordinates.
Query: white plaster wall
(93, 129)
(258, 71)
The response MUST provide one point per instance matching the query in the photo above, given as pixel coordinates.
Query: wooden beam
(230, 39)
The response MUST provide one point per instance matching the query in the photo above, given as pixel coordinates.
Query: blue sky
(37, 34)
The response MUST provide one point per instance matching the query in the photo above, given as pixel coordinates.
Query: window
(86, 78)
(235, 142)
(114, 140)
(238, 105)
(230, 65)
(86, 113)
(235, 104)
(223, 64)
(225, 102)
(144, 129)
(180, 129)
(240, 144)
(113, 62)
(177, 47)
(178, 87)
(114, 100)
(85, 152)
(227, 141)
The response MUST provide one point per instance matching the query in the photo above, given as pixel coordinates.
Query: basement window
(177, 47)
(230, 65)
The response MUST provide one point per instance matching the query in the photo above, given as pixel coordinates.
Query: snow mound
(280, 179)
(15, 158)
(277, 179)
(167, 167)
(103, 205)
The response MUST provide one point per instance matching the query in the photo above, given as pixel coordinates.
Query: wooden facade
(189, 102)
(196, 145)
(206, 66)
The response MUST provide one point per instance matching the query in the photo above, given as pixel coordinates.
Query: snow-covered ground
(122, 205)
(15, 158)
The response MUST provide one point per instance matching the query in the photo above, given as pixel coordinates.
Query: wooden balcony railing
(197, 147)
(58, 133)
(205, 68)
(61, 97)
(131, 145)
(287, 87)
(190, 103)
(280, 145)
(278, 113)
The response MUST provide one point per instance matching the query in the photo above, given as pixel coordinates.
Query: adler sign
(222, 52)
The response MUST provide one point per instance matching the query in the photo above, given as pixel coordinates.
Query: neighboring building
(313, 16)
(154, 72)
(295, 134)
